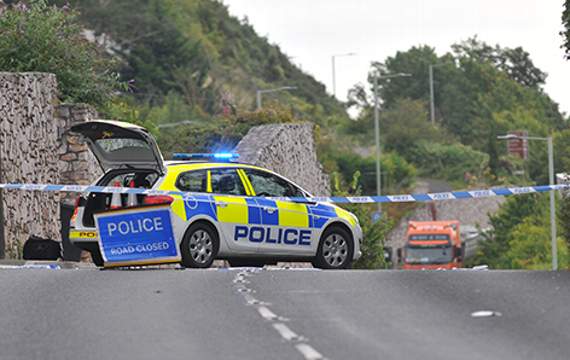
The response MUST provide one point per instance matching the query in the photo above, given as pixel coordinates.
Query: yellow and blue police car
(234, 213)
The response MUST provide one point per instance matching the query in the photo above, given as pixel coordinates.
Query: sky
(311, 31)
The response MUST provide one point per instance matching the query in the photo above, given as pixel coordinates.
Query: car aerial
(245, 214)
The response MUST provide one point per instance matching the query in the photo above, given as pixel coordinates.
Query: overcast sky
(310, 31)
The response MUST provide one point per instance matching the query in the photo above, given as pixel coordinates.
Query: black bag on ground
(37, 248)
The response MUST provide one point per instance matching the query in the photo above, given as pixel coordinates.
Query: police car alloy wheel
(200, 246)
(335, 249)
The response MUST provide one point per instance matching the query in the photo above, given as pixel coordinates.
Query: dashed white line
(485, 313)
(308, 352)
(285, 332)
(266, 313)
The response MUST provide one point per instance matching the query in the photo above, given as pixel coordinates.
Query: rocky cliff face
(289, 150)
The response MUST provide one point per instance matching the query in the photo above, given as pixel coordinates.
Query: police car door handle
(221, 204)
(269, 210)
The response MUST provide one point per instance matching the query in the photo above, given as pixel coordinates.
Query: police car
(231, 214)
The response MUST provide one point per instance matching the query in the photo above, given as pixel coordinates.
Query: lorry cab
(432, 245)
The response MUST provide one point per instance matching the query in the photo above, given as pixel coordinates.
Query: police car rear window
(193, 181)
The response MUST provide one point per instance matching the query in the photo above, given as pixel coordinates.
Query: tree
(566, 33)
(415, 62)
(563, 216)
(495, 250)
(404, 124)
(45, 38)
(516, 63)
(372, 246)
(480, 91)
(529, 245)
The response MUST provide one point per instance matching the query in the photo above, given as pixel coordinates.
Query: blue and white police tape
(452, 195)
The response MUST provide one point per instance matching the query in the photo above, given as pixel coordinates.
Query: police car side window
(193, 181)
(267, 184)
(226, 181)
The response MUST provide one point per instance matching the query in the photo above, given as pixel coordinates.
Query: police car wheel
(199, 246)
(335, 249)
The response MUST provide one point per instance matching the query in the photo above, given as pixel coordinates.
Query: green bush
(520, 236)
(451, 162)
(42, 38)
(213, 134)
(397, 173)
(374, 233)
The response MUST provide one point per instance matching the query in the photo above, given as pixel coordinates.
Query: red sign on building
(518, 147)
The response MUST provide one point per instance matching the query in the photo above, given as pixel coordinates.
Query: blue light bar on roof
(225, 155)
(205, 156)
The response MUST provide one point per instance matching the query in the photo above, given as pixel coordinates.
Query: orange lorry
(433, 245)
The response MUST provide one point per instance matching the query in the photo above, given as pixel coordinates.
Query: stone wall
(289, 150)
(28, 144)
(35, 147)
(77, 165)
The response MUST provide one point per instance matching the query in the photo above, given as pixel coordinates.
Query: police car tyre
(199, 246)
(336, 249)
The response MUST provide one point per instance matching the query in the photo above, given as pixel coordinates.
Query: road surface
(283, 314)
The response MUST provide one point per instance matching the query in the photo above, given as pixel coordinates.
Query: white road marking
(485, 313)
(266, 313)
(285, 332)
(308, 352)
(481, 267)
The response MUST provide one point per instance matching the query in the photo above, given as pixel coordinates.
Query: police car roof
(176, 167)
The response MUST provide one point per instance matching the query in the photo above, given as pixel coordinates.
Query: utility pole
(432, 92)
(377, 142)
(333, 76)
(431, 96)
(554, 245)
(377, 130)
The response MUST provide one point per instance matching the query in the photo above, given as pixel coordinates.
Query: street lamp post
(377, 130)
(334, 69)
(553, 243)
(431, 95)
(266, 91)
(431, 92)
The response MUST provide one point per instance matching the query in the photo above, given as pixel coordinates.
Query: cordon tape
(427, 197)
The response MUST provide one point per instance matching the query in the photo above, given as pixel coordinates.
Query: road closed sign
(137, 236)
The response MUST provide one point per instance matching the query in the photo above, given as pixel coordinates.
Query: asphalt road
(280, 314)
